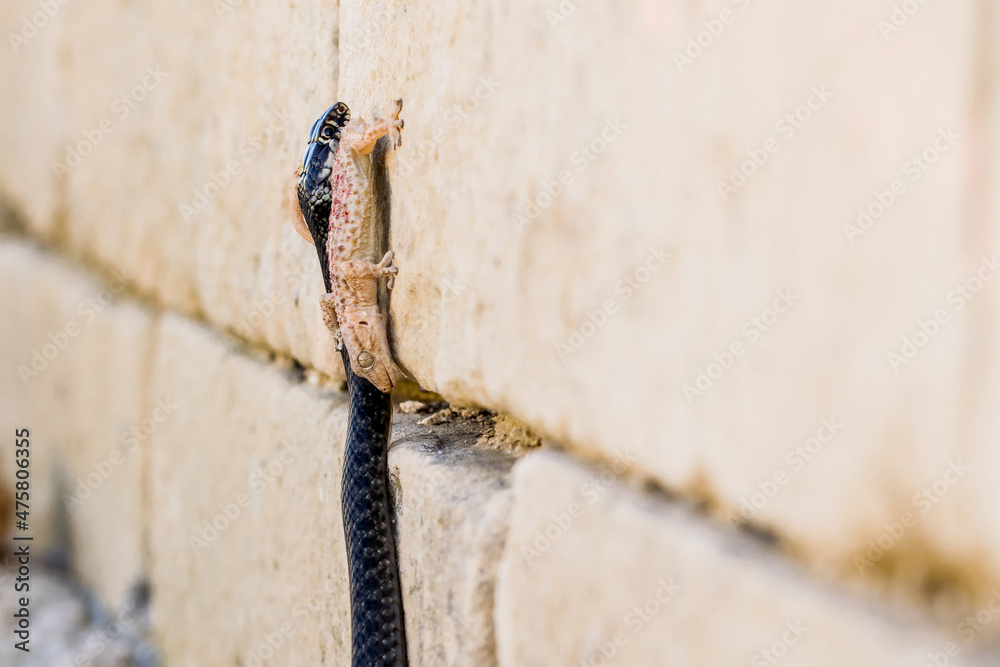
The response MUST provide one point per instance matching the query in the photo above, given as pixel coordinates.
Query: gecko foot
(396, 124)
(388, 270)
(328, 306)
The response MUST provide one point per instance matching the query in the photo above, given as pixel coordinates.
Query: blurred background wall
(733, 261)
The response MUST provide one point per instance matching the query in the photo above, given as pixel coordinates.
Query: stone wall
(731, 261)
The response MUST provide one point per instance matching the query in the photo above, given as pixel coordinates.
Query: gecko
(335, 176)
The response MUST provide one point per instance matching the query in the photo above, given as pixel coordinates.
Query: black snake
(378, 633)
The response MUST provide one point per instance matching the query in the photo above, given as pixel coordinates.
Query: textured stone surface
(495, 314)
(246, 538)
(657, 587)
(243, 486)
(75, 372)
(452, 506)
(246, 488)
(554, 151)
(198, 112)
(30, 66)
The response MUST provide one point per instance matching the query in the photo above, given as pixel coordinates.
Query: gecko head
(368, 348)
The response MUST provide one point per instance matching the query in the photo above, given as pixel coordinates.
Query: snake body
(377, 629)
(376, 603)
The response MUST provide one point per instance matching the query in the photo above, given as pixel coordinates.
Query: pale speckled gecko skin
(352, 303)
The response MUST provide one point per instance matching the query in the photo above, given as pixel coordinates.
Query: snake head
(313, 188)
(324, 137)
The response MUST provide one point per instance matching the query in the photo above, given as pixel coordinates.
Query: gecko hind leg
(360, 268)
(328, 306)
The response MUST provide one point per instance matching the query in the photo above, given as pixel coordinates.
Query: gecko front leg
(328, 307)
(361, 137)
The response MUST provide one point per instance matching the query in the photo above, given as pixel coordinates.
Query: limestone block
(595, 574)
(76, 373)
(623, 238)
(246, 539)
(34, 120)
(246, 488)
(453, 504)
(161, 140)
